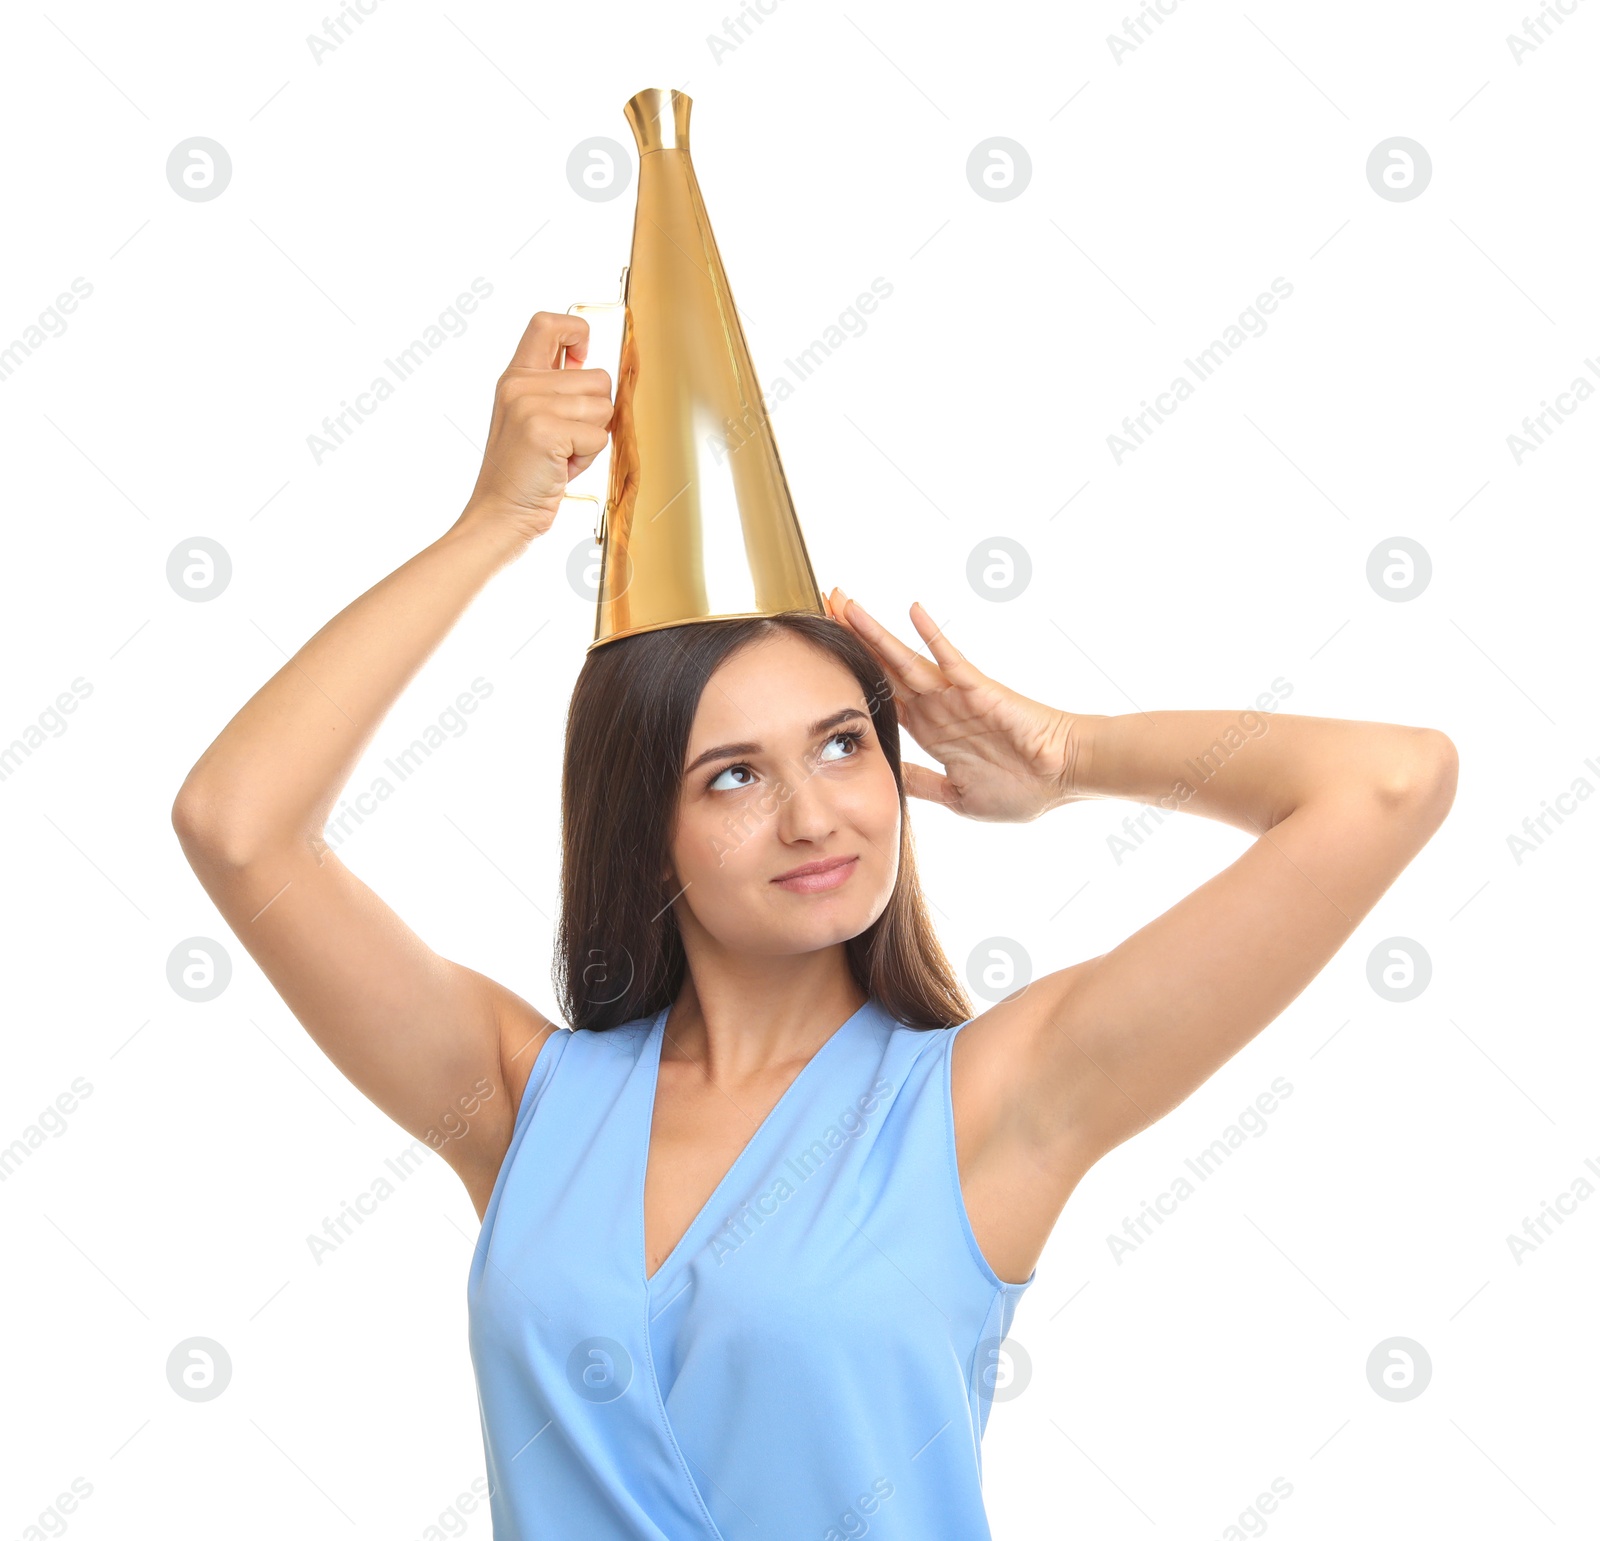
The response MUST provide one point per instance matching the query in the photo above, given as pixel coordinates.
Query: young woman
(755, 1223)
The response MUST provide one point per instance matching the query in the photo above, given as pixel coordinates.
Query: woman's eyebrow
(730, 751)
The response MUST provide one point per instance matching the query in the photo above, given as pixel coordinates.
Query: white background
(1167, 191)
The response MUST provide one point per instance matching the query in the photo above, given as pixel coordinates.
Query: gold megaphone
(698, 524)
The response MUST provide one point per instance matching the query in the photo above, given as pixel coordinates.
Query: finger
(900, 688)
(585, 439)
(896, 685)
(546, 334)
(917, 672)
(579, 409)
(957, 669)
(561, 382)
(927, 784)
(897, 689)
(569, 442)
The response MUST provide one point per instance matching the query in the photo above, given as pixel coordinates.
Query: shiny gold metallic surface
(698, 522)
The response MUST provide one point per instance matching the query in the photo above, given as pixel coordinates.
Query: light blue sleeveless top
(816, 1356)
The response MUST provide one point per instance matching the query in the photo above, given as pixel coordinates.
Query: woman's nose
(805, 812)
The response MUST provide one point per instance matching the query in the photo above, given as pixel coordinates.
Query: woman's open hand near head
(548, 425)
(1006, 759)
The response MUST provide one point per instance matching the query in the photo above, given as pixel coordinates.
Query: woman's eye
(717, 784)
(728, 771)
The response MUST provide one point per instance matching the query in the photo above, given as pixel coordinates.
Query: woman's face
(782, 771)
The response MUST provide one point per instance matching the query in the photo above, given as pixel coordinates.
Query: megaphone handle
(617, 304)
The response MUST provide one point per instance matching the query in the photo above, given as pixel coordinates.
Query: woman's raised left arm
(1051, 1079)
(1337, 810)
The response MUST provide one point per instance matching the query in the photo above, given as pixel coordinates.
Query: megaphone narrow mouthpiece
(659, 118)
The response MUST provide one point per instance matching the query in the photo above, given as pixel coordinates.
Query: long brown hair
(618, 953)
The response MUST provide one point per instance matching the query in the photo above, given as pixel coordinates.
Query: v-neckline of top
(652, 1085)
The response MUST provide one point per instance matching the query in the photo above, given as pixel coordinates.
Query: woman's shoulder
(923, 1034)
(618, 1038)
(581, 1054)
(910, 1045)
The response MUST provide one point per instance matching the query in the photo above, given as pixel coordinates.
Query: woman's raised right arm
(442, 1049)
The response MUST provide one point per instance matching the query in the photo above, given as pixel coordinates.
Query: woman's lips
(819, 882)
